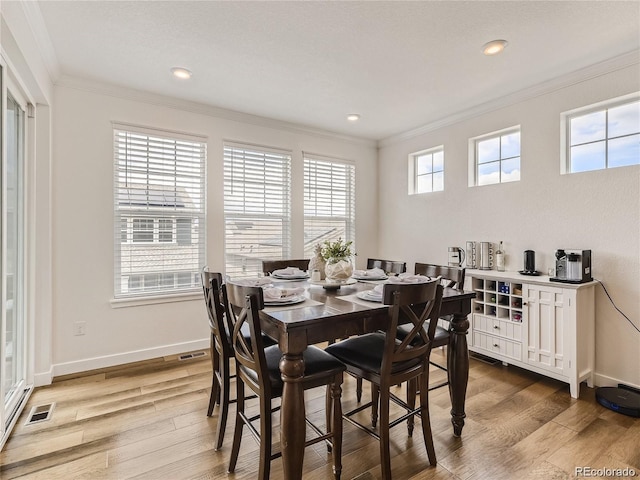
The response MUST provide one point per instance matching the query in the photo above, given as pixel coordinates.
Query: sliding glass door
(13, 328)
(13, 372)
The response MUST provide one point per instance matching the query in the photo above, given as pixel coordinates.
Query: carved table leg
(458, 370)
(292, 423)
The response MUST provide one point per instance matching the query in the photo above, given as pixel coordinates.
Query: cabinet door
(545, 342)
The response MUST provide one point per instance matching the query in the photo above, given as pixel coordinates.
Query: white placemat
(354, 299)
(278, 308)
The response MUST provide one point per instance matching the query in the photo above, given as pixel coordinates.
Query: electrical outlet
(80, 328)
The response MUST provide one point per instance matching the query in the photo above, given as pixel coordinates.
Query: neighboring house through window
(159, 211)
(257, 207)
(495, 157)
(600, 136)
(329, 201)
(426, 171)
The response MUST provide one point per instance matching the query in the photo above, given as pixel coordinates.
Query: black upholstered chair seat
(316, 362)
(365, 352)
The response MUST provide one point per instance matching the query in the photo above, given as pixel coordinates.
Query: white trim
(94, 363)
(473, 152)
(412, 187)
(199, 108)
(40, 33)
(582, 75)
(161, 132)
(151, 300)
(600, 380)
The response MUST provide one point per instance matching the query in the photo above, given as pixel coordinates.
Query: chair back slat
(411, 304)
(243, 308)
(389, 266)
(453, 276)
(268, 266)
(211, 287)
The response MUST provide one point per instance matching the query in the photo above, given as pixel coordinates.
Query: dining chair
(258, 368)
(221, 350)
(389, 266)
(385, 361)
(452, 277)
(268, 266)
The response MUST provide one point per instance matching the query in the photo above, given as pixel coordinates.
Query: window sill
(169, 298)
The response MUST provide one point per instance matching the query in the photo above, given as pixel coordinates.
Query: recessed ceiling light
(180, 72)
(494, 47)
(353, 117)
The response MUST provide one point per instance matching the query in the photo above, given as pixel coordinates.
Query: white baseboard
(604, 381)
(94, 363)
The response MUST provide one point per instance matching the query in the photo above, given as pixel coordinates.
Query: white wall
(542, 212)
(83, 221)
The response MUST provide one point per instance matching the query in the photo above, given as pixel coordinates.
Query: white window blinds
(256, 207)
(159, 198)
(329, 201)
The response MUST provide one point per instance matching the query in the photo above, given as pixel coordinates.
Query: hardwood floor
(148, 421)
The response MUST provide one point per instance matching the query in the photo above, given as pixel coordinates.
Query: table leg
(458, 370)
(292, 423)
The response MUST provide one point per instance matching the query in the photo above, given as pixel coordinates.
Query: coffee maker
(572, 266)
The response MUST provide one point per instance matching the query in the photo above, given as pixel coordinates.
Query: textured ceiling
(400, 65)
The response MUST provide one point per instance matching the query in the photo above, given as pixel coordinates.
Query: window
(256, 207)
(495, 157)
(602, 136)
(159, 211)
(426, 171)
(329, 201)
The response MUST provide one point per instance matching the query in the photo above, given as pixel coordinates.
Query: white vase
(338, 269)
(317, 262)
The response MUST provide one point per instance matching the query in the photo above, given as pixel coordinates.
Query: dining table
(326, 314)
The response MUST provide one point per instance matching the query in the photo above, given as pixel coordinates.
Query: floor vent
(40, 413)
(191, 356)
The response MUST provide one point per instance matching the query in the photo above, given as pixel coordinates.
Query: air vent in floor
(40, 413)
(190, 356)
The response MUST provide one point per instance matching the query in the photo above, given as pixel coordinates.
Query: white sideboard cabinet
(536, 324)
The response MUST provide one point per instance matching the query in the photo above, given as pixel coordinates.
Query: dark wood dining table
(331, 314)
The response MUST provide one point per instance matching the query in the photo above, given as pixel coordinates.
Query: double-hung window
(329, 201)
(159, 193)
(257, 207)
(605, 135)
(426, 171)
(495, 157)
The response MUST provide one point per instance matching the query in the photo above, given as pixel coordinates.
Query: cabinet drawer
(498, 327)
(497, 345)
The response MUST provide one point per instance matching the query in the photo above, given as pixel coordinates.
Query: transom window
(426, 171)
(496, 157)
(602, 136)
(159, 211)
(329, 201)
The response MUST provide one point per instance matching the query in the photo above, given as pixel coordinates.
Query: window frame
(277, 164)
(413, 170)
(313, 160)
(159, 177)
(565, 130)
(473, 155)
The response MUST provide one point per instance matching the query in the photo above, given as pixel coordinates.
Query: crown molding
(101, 88)
(596, 70)
(40, 33)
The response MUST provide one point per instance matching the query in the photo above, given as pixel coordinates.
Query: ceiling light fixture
(494, 47)
(181, 73)
(353, 117)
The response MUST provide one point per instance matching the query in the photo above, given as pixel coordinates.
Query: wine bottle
(500, 258)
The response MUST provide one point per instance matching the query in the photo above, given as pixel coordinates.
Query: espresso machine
(573, 266)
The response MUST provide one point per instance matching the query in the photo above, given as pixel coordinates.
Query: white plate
(286, 301)
(369, 277)
(291, 277)
(366, 295)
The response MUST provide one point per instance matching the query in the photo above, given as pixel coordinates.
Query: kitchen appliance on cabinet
(572, 266)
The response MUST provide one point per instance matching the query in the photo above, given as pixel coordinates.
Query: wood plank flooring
(148, 421)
